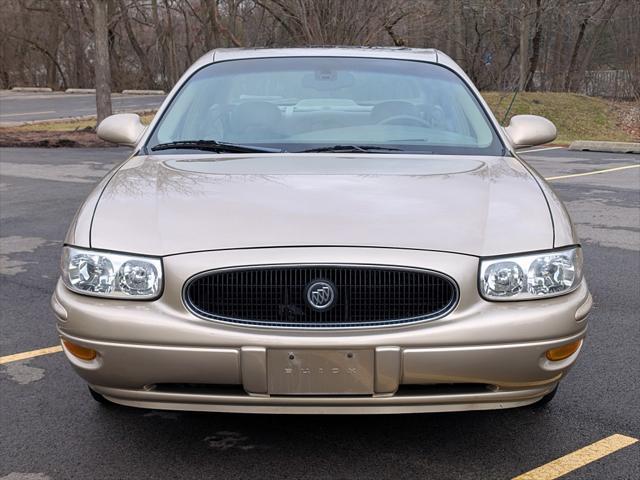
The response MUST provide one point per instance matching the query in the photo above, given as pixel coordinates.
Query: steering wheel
(408, 120)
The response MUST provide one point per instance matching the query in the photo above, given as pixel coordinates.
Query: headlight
(536, 275)
(110, 274)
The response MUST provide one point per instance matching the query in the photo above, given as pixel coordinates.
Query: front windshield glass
(302, 103)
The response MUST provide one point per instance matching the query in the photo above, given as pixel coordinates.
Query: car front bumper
(483, 355)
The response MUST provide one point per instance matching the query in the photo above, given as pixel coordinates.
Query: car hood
(165, 204)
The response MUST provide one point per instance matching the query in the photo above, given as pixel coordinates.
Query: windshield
(316, 103)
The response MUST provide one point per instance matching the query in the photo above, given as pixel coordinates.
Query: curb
(67, 119)
(32, 89)
(143, 92)
(610, 147)
(52, 120)
(86, 90)
(80, 90)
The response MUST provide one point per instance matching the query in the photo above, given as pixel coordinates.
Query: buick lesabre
(323, 230)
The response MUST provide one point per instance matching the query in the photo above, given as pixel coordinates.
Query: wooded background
(588, 46)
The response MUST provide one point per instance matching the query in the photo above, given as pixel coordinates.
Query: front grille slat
(365, 296)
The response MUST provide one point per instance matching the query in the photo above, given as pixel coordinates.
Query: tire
(99, 398)
(546, 399)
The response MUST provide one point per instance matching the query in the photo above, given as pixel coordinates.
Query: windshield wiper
(350, 149)
(212, 146)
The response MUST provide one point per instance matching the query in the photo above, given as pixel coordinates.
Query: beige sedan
(324, 230)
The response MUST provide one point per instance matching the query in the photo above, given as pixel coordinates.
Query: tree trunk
(558, 47)
(211, 37)
(535, 47)
(172, 61)
(574, 55)
(569, 79)
(524, 44)
(101, 62)
(79, 75)
(461, 57)
(143, 58)
(451, 37)
(26, 74)
(219, 26)
(606, 17)
(52, 48)
(455, 39)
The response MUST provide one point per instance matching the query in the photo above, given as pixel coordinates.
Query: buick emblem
(321, 295)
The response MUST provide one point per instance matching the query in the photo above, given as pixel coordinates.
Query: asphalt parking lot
(27, 107)
(52, 429)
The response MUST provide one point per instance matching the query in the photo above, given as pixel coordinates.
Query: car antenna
(513, 99)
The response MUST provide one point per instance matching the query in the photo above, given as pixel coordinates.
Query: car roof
(424, 54)
(400, 53)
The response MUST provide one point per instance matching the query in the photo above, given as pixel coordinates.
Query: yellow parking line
(595, 172)
(579, 458)
(33, 353)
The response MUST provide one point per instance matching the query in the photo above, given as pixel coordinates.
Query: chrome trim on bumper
(326, 405)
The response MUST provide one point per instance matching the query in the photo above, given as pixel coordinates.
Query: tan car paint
(436, 212)
(163, 205)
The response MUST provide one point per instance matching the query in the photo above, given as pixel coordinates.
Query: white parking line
(539, 149)
(595, 172)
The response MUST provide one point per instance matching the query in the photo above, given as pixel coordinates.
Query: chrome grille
(275, 296)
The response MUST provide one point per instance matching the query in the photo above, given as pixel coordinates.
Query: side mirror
(123, 129)
(530, 130)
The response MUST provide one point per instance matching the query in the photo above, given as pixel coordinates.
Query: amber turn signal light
(81, 352)
(564, 351)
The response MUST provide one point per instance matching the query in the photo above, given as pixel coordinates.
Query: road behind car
(27, 107)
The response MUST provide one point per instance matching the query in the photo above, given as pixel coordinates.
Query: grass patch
(577, 117)
(69, 126)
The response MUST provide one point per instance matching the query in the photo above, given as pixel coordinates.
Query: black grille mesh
(276, 296)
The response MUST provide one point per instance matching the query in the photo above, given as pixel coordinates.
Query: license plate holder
(320, 372)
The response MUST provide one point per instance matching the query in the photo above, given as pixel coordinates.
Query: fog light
(564, 351)
(81, 352)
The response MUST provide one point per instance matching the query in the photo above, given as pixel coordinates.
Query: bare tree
(571, 71)
(77, 44)
(141, 54)
(501, 44)
(535, 46)
(101, 61)
(524, 44)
